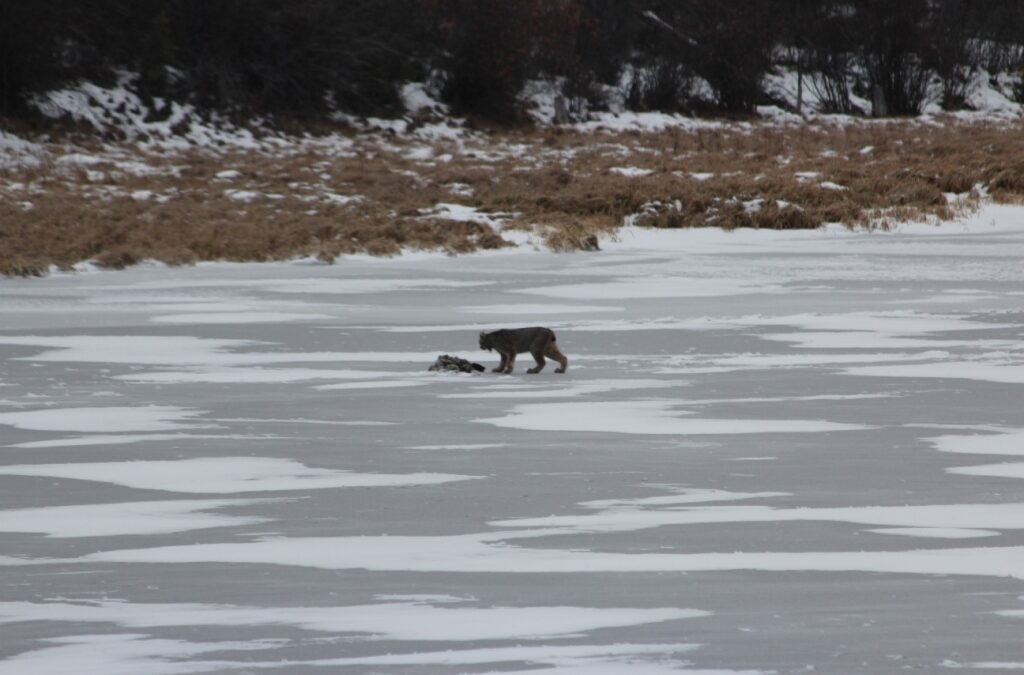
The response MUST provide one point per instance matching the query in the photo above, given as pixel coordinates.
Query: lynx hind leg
(501, 366)
(554, 353)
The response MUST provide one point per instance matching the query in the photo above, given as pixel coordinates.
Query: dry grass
(293, 201)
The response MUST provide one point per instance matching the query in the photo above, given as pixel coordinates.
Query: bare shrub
(491, 48)
(787, 217)
(894, 53)
(665, 86)
(572, 234)
(957, 181)
(830, 82)
(1006, 180)
(117, 258)
(18, 266)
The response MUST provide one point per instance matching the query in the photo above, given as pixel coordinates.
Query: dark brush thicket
(306, 58)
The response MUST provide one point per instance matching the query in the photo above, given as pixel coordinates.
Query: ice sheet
(581, 534)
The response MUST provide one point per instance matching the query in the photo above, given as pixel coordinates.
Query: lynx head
(485, 341)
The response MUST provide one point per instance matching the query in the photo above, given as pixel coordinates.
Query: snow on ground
(772, 452)
(119, 108)
(171, 126)
(15, 151)
(161, 128)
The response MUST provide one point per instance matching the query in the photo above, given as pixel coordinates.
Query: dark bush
(894, 39)
(490, 48)
(828, 44)
(307, 58)
(729, 44)
(663, 86)
(297, 58)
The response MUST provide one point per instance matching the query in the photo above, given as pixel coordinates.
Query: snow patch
(936, 532)
(933, 520)
(387, 621)
(220, 475)
(1003, 470)
(121, 439)
(488, 553)
(238, 317)
(109, 419)
(122, 654)
(126, 518)
(1008, 373)
(119, 109)
(646, 418)
(631, 171)
(532, 309)
(1009, 442)
(654, 287)
(572, 390)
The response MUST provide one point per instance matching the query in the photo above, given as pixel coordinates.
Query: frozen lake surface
(773, 452)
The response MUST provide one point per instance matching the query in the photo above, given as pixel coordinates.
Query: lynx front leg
(501, 366)
(539, 358)
(511, 363)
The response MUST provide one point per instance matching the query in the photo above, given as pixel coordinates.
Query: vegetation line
(383, 194)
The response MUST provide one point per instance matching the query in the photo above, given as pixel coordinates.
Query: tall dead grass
(380, 196)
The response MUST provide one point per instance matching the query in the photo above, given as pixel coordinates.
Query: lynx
(508, 342)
